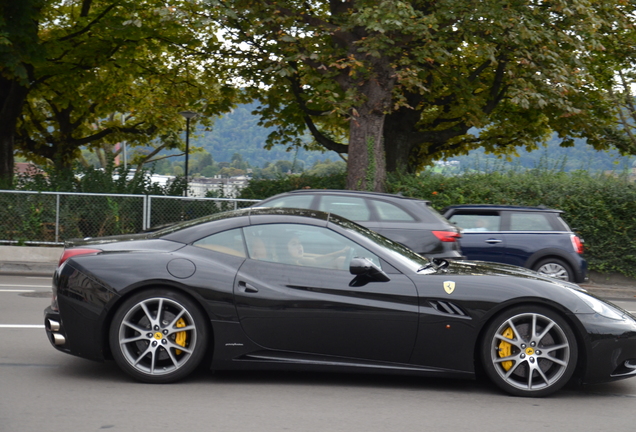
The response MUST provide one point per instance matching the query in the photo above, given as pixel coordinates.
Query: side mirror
(366, 271)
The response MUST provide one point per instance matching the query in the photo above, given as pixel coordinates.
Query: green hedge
(602, 209)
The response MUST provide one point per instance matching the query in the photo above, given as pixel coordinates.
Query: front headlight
(599, 306)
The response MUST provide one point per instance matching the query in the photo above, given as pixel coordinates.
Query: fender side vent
(447, 307)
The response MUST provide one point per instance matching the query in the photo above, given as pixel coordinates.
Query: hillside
(239, 132)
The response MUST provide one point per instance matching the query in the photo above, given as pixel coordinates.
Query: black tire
(555, 268)
(158, 348)
(529, 351)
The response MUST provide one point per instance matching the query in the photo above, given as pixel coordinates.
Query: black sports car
(302, 289)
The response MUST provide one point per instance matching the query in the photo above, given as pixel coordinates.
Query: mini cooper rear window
(529, 222)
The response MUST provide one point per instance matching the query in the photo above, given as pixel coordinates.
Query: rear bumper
(55, 331)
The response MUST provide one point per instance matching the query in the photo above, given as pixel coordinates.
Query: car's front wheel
(158, 336)
(529, 351)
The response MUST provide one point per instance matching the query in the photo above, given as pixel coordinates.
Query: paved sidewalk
(42, 261)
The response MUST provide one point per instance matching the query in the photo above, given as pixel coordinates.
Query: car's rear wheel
(158, 336)
(555, 268)
(529, 351)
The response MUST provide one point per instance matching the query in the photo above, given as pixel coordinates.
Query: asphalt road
(42, 389)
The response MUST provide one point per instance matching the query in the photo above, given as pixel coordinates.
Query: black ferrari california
(302, 289)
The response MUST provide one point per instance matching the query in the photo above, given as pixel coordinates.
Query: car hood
(496, 269)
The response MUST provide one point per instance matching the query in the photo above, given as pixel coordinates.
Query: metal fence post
(144, 214)
(57, 218)
(149, 212)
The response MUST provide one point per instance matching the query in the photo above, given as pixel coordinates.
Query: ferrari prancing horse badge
(449, 287)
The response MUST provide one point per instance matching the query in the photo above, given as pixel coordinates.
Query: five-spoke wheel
(529, 351)
(158, 336)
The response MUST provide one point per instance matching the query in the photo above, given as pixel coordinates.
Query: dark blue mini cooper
(533, 237)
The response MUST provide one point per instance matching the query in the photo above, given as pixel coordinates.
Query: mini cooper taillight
(447, 236)
(577, 243)
(68, 253)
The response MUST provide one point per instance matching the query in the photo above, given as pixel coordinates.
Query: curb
(30, 269)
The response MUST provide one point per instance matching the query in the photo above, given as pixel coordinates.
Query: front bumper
(611, 353)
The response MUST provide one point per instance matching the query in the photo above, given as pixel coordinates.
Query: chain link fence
(50, 218)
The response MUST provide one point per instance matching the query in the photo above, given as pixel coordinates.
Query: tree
(117, 70)
(19, 50)
(618, 71)
(415, 77)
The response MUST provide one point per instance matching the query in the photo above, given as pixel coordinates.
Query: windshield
(395, 250)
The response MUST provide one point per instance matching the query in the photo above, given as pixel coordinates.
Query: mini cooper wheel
(529, 351)
(158, 336)
(555, 268)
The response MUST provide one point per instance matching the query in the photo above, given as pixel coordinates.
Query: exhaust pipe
(52, 325)
(58, 339)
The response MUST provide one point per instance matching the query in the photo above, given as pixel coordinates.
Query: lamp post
(188, 115)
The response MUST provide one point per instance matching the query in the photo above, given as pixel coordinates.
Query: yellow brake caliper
(181, 337)
(505, 349)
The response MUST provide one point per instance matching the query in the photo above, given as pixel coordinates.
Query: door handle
(493, 241)
(247, 288)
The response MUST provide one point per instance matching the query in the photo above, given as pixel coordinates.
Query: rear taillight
(447, 236)
(68, 253)
(577, 243)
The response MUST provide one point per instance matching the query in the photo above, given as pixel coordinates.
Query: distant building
(450, 163)
(229, 186)
(27, 168)
(631, 174)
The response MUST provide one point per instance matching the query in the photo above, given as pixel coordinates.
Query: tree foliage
(117, 70)
(425, 74)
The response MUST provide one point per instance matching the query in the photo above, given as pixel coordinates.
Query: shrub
(602, 209)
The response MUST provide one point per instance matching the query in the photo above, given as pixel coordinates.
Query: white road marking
(26, 326)
(24, 286)
(15, 291)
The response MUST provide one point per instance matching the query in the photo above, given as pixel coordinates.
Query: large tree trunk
(366, 166)
(401, 140)
(12, 96)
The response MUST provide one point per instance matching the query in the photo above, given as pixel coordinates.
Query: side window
(389, 212)
(477, 222)
(228, 242)
(292, 201)
(355, 209)
(303, 245)
(529, 222)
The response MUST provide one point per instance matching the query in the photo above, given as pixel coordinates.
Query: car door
(482, 235)
(528, 232)
(310, 307)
